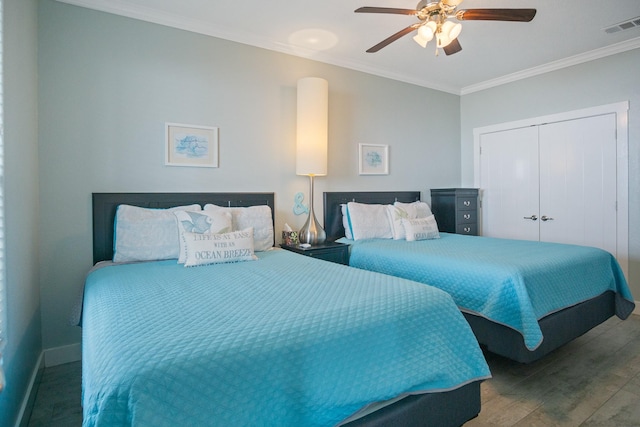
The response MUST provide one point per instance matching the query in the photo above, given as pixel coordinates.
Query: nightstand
(328, 251)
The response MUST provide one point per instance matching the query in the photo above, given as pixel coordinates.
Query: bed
(522, 299)
(267, 341)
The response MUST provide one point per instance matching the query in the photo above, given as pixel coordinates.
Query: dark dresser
(456, 210)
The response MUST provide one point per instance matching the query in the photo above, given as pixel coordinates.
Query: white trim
(27, 395)
(636, 310)
(61, 355)
(621, 110)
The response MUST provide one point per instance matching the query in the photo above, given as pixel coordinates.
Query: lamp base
(311, 232)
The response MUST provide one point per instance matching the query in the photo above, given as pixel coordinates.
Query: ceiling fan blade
(520, 15)
(453, 47)
(370, 9)
(393, 38)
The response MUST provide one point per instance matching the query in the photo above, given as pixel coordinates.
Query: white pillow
(258, 217)
(143, 234)
(200, 222)
(210, 248)
(421, 228)
(345, 221)
(369, 221)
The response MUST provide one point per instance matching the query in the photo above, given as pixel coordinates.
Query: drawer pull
(532, 217)
(467, 203)
(467, 216)
(467, 229)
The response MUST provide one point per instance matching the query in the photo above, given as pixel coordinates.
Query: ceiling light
(445, 33)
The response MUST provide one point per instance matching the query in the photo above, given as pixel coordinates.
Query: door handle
(545, 218)
(532, 217)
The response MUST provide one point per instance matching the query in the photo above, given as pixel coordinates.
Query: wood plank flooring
(592, 381)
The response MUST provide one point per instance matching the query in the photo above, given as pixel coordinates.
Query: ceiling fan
(435, 21)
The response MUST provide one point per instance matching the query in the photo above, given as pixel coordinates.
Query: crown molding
(555, 65)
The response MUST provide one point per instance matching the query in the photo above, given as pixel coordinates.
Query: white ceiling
(563, 33)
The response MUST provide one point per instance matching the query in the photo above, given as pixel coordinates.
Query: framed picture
(191, 145)
(373, 159)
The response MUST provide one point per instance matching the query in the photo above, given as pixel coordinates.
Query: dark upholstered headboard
(333, 212)
(105, 205)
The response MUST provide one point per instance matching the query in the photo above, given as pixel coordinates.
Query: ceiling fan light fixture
(425, 33)
(447, 33)
(451, 29)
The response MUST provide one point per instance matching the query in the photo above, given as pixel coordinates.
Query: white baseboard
(30, 390)
(64, 354)
(637, 309)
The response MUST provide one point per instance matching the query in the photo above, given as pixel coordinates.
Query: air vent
(631, 23)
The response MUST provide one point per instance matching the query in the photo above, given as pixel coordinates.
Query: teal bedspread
(286, 340)
(511, 282)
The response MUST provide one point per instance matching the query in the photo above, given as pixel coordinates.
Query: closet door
(578, 182)
(509, 183)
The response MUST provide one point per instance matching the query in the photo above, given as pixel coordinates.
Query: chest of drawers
(456, 210)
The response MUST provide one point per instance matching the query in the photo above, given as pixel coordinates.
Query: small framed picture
(191, 145)
(373, 159)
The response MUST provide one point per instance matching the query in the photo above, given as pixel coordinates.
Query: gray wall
(21, 203)
(108, 84)
(604, 81)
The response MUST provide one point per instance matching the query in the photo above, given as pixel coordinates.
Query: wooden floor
(592, 381)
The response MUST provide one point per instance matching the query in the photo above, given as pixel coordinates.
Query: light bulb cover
(420, 40)
(426, 32)
(448, 33)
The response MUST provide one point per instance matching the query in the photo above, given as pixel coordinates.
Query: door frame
(621, 110)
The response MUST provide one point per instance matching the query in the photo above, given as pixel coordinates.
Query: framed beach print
(191, 145)
(373, 159)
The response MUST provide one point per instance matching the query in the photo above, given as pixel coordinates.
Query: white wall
(108, 84)
(21, 203)
(604, 81)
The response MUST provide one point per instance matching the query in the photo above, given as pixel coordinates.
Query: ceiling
(563, 33)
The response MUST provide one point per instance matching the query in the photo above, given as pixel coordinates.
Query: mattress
(283, 340)
(511, 282)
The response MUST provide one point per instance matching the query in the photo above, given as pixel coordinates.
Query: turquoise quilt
(285, 340)
(511, 282)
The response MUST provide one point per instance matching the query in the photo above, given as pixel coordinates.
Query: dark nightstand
(328, 251)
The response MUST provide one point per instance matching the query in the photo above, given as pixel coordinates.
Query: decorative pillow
(210, 248)
(400, 211)
(416, 209)
(345, 221)
(258, 217)
(143, 234)
(200, 223)
(368, 221)
(396, 215)
(421, 228)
